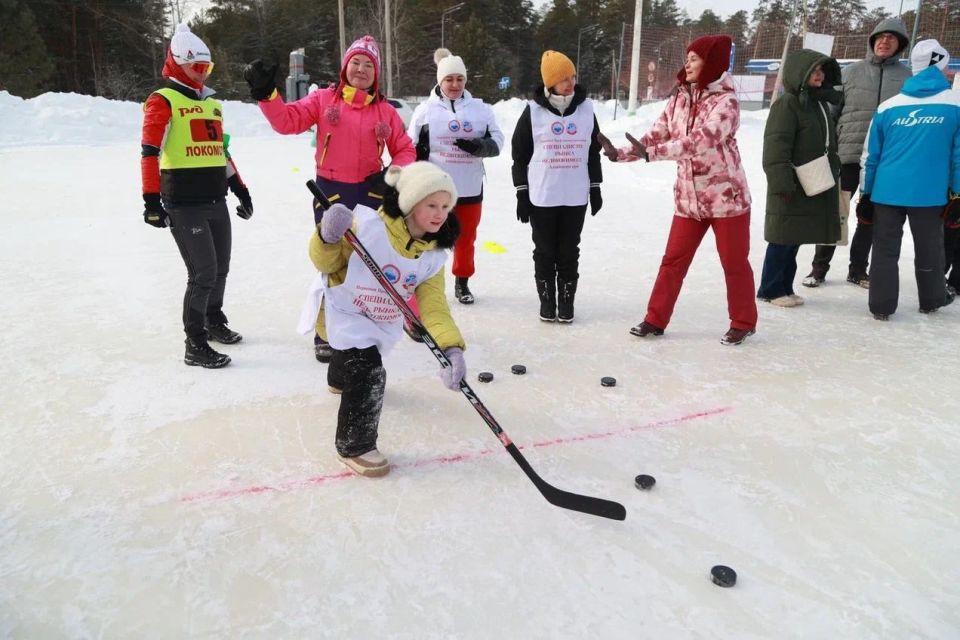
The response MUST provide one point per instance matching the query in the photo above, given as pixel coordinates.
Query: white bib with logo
(557, 175)
(470, 121)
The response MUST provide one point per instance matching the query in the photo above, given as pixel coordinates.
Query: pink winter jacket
(698, 131)
(350, 137)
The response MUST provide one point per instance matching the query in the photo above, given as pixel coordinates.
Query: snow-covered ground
(140, 498)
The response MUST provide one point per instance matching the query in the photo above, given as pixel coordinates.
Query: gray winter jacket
(866, 84)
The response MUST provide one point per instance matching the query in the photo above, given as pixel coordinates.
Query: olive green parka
(794, 135)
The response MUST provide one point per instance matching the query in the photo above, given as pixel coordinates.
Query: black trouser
(926, 226)
(779, 270)
(556, 242)
(203, 235)
(862, 235)
(951, 247)
(361, 376)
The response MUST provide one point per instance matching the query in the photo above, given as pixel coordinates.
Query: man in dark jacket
(866, 84)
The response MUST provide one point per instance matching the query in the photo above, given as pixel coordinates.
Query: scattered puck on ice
(607, 381)
(644, 482)
(485, 376)
(518, 369)
(723, 576)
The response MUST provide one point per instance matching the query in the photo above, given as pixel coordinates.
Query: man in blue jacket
(911, 164)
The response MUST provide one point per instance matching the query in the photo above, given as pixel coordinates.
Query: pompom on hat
(365, 46)
(416, 181)
(186, 47)
(926, 54)
(555, 67)
(448, 64)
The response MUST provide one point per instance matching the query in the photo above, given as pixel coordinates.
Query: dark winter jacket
(866, 84)
(794, 135)
(522, 143)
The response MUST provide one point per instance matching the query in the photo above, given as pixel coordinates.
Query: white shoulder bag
(816, 176)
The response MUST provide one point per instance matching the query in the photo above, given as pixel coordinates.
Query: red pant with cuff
(733, 245)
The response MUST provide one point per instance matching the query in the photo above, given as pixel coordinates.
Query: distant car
(404, 109)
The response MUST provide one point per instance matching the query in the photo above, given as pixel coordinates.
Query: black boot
(199, 353)
(462, 291)
(547, 290)
(566, 291)
(220, 332)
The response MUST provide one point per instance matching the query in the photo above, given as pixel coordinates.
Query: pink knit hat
(366, 46)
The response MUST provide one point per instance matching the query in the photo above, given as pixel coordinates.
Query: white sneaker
(797, 299)
(785, 301)
(371, 464)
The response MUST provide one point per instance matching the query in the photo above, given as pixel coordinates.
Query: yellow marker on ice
(295, 169)
(493, 247)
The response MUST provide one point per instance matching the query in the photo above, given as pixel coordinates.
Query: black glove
(865, 209)
(951, 213)
(261, 79)
(608, 149)
(639, 149)
(596, 200)
(523, 205)
(153, 212)
(470, 145)
(245, 210)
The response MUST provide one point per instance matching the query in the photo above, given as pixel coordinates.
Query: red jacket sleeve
(156, 117)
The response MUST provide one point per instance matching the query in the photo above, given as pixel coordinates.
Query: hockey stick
(558, 497)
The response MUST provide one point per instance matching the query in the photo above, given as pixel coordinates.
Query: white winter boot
(371, 464)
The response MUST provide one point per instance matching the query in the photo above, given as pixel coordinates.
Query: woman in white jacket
(455, 131)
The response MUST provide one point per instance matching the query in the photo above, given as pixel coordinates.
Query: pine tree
(25, 64)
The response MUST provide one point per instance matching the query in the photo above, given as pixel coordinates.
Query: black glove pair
(470, 145)
(865, 209)
(153, 212)
(524, 207)
(245, 208)
(261, 78)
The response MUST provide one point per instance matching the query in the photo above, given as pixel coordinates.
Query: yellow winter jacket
(332, 260)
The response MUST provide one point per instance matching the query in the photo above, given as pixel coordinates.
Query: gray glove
(336, 220)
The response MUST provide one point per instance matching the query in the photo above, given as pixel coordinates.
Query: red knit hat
(715, 51)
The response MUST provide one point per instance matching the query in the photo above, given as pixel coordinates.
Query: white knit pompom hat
(187, 47)
(416, 181)
(448, 64)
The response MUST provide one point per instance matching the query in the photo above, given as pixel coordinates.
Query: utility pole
(388, 58)
(635, 59)
(778, 85)
(343, 31)
(916, 23)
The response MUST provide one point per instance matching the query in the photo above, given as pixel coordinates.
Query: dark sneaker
(462, 292)
(199, 354)
(814, 279)
(861, 280)
(881, 316)
(736, 336)
(412, 333)
(221, 333)
(322, 349)
(948, 300)
(645, 329)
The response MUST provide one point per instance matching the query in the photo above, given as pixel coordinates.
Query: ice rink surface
(140, 498)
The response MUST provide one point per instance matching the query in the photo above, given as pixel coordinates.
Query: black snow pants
(359, 373)
(556, 242)
(204, 237)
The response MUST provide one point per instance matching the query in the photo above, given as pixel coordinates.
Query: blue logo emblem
(467, 126)
(454, 125)
(391, 272)
(557, 128)
(572, 128)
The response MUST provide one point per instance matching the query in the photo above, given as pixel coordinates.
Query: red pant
(468, 215)
(733, 245)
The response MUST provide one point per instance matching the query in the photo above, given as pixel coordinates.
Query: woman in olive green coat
(798, 125)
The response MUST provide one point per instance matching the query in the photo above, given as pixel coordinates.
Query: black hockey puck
(723, 576)
(644, 482)
(518, 369)
(485, 376)
(607, 381)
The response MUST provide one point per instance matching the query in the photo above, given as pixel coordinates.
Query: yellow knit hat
(555, 67)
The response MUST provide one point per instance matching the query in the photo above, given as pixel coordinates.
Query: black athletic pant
(556, 242)
(203, 235)
(361, 376)
(951, 247)
(862, 236)
(926, 226)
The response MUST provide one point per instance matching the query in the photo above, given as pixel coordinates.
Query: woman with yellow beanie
(556, 171)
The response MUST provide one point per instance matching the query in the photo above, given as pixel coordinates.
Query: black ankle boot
(220, 332)
(199, 354)
(462, 292)
(547, 290)
(566, 291)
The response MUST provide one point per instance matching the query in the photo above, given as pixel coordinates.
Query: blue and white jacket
(911, 156)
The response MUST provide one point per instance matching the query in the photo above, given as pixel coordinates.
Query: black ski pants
(862, 236)
(951, 247)
(926, 226)
(556, 242)
(359, 373)
(204, 237)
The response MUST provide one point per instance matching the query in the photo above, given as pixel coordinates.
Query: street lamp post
(579, 35)
(443, 17)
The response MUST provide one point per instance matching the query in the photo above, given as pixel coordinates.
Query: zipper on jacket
(880, 87)
(326, 142)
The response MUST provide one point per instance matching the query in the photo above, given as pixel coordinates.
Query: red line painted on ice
(449, 459)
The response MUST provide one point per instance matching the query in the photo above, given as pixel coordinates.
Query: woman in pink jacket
(697, 130)
(355, 124)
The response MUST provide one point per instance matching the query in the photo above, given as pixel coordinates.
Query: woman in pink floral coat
(697, 130)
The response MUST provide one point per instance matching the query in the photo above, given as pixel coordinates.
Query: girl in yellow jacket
(408, 237)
